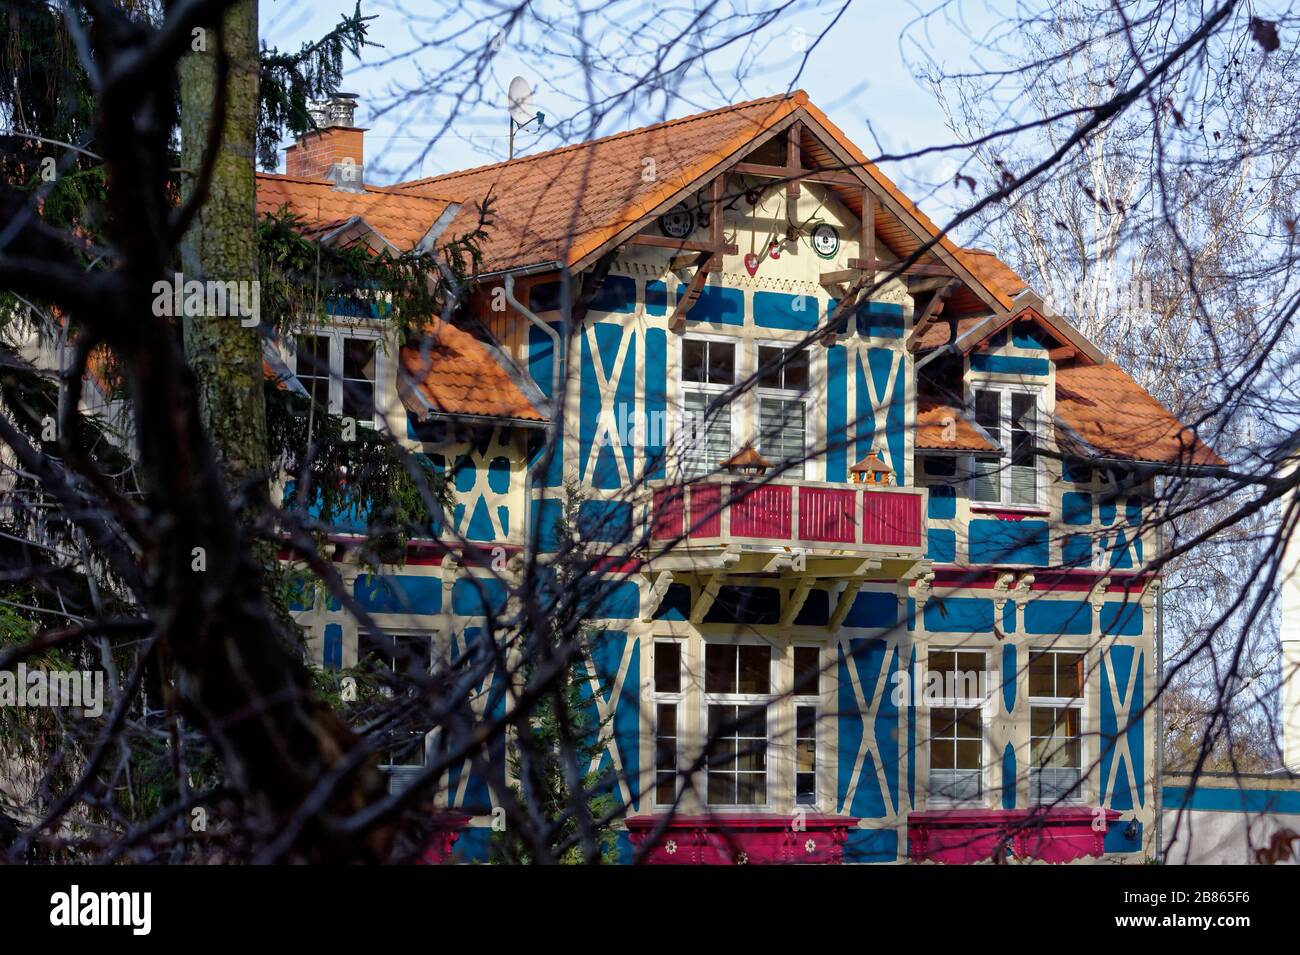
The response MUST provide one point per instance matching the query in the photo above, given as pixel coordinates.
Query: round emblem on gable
(677, 222)
(825, 240)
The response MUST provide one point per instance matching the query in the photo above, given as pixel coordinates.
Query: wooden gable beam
(829, 177)
(679, 245)
(867, 237)
(935, 269)
(929, 314)
(792, 157)
(691, 296)
(710, 259)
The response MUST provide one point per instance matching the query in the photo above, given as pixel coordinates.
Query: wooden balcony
(833, 520)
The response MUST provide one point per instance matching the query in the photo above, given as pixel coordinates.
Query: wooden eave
(851, 177)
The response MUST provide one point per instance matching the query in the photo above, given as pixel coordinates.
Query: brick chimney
(335, 150)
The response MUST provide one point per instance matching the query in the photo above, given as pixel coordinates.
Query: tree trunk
(221, 245)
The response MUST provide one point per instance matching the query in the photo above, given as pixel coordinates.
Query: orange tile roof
(563, 205)
(1117, 418)
(400, 217)
(558, 206)
(936, 333)
(994, 273)
(943, 427)
(452, 372)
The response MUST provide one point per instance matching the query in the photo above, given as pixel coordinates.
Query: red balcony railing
(802, 514)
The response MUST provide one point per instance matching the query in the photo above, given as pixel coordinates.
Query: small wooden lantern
(872, 470)
(747, 462)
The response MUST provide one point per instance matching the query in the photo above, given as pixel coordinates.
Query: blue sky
(861, 74)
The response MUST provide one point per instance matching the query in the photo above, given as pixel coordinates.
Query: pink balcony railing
(797, 514)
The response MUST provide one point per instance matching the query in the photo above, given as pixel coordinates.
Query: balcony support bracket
(708, 594)
(795, 599)
(845, 603)
(655, 596)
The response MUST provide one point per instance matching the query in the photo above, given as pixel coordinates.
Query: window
(807, 689)
(708, 370)
(1011, 419)
(338, 371)
(403, 655)
(782, 410)
(737, 693)
(1056, 688)
(956, 726)
(668, 697)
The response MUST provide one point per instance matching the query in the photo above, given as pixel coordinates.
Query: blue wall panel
(332, 657)
(837, 464)
(1055, 617)
(399, 593)
(656, 401)
(798, 313)
(476, 596)
(1120, 618)
(870, 845)
(959, 615)
(873, 608)
(716, 305)
(941, 545)
(880, 320)
(608, 521)
(942, 505)
(1007, 365)
(1008, 542)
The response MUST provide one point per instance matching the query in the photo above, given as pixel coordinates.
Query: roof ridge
(798, 95)
(394, 190)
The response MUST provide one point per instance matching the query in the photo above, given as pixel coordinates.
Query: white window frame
(1078, 703)
(398, 635)
(978, 703)
(814, 700)
(683, 386)
(675, 700)
(1005, 390)
(769, 702)
(337, 333)
(783, 394)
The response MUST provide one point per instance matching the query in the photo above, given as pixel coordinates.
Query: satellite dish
(520, 100)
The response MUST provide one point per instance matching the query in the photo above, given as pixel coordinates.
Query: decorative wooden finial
(872, 470)
(747, 461)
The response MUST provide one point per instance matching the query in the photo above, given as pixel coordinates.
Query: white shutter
(782, 432)
(707, 443)
(986, 480)
(1024, 485)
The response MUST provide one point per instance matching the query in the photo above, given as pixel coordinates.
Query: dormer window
(1011, 417)
(338, 369)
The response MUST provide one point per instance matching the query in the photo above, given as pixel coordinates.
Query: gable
(565, 207)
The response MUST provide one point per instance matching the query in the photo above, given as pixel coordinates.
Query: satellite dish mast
(519, 98)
